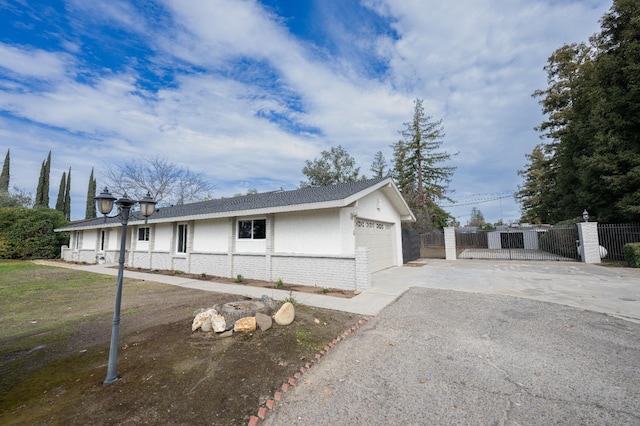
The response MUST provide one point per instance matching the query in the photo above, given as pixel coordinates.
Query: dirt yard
(168, 375)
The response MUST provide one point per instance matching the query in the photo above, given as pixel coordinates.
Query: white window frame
(253, 229)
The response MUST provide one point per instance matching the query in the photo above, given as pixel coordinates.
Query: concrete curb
(293, 380)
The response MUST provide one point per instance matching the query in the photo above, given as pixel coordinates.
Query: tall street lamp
(104, 203)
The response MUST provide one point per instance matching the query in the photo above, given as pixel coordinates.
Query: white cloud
(232, 66)
(33, 63)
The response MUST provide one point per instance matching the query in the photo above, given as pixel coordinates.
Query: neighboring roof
(332, 196)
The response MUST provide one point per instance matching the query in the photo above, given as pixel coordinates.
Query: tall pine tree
(4, 176)
(418, 168)
(90, 211)
(592, 154)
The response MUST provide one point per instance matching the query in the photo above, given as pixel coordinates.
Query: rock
(227, 333)
(201, 318)
(263, 321)
(218, 323)
(269, 304)
(285, 314)
(206, 325)
(245, 325)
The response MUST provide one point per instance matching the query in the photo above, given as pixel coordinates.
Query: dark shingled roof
(247, 203)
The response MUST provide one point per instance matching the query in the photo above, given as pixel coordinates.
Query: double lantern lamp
(104, 204)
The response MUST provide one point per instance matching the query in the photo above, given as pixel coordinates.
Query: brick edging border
(292, 381)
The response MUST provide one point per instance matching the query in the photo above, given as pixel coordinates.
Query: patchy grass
(55, 327)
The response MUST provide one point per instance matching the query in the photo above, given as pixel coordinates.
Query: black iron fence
(530, 243)
(410, 245)
(613, 238)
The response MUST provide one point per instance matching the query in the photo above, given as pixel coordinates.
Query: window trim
(252, 236)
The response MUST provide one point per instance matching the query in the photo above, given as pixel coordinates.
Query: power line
(463, 201)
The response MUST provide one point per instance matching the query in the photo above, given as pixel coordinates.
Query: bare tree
(167, 182)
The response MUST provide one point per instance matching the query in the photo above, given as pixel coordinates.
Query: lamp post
(585, 215)
(104, 203)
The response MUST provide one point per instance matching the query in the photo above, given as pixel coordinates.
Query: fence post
(589, 243)
(450, 243)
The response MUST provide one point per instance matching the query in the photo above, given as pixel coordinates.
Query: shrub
(239, 278)
(28, 233)
(279, 283)
(632, 254)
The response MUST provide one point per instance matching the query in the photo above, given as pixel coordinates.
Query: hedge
(28, 233)
(632, 254)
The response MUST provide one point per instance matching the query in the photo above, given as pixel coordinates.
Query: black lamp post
(104, 203)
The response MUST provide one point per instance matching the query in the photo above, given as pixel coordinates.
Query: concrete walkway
(611, 290)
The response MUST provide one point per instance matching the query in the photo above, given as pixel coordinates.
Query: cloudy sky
(245, 91)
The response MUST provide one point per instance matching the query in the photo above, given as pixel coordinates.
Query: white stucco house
(333, 236)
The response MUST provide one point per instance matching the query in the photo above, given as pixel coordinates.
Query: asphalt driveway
(494, 351)
(444, 357)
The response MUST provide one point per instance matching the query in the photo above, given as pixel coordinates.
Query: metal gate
(432, 244)
(613, 238)
(531, 243)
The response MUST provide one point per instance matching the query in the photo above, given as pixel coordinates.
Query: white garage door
(378, 237)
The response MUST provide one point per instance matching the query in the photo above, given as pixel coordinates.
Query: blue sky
(246, 91)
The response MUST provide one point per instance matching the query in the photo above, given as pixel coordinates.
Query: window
(182, 239)
(255, 229)
(143, 234)
(77, 240)
(103, 237)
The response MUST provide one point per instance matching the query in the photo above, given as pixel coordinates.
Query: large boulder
(285, 315)
(245, 325)
(201, 318)
(263, 321)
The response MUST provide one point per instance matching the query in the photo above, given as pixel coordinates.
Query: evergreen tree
(61, 193)
(4, 176)
(39, 197)
(379, 165)
(67, 197)
(333, 166)
(418, 169)
(90, 211)
(476, 218)
(42, 192)
(592, 156)
(538, 193)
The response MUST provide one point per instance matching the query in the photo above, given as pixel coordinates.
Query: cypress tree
(39, 197)
(67, 197)
(42, 192)
(60, 200)
(47, 179)
(4, 176)
(90, 212)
